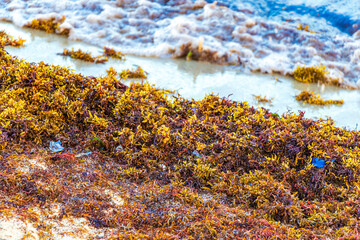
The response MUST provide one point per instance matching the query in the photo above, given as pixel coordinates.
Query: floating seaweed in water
(314, 74)
(165, 167)
(261, 99)
(192, 52)
(7, 40)
(304, 28)
(109, 52)
(50, 25)
(87, 57)
(311, 74)
(137, 73)
(311, 98)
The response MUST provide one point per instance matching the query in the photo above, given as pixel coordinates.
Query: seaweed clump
(304, 28)
(7, 40)
(137, 73)
(50, 25)
(263, 99)
(311, 98)
(87, 57)
(191, 52)
(109, 52)
(158, 166)
(313, 74)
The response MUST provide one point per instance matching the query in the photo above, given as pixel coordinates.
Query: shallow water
(195, 79)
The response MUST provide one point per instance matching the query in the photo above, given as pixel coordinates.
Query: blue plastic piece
(196, 153)
(318, 162)
(56, 146)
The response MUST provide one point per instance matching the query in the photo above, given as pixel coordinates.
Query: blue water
(337, 13)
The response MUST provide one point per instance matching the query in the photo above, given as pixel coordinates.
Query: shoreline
(276, 44)
(196, 79)
(165, 167)
(136, 161)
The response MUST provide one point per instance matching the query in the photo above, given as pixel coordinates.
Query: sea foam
(259, 35)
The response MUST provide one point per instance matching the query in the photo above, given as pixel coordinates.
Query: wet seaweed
(8, 40)
(164, 167)
(315, 74)
(262, 99)
(310, 74)
(198, 53)
(84, 56)
(50, 25)
(109, 52)
(311, 98)
(136, 73)
(304, 28)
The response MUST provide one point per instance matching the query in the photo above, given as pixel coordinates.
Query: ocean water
(260, 35)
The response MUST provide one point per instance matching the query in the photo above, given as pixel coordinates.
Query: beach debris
(56, 146)
(163, 167)
(63, 158)
(312, 98)
(83, 154)
(196, 153)
(188, 56)
(85, 56)
(318, 162)
(119, 148)
(275, 115)
(98, 143)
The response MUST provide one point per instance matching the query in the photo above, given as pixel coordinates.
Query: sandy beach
(206, 141)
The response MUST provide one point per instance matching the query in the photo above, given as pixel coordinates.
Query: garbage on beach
(319, 162)
(196, 153)
(56, 146)
(83, 154)
(119, 148)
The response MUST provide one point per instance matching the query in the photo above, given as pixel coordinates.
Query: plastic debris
(318, 162)
(99, 143)
(194, 110)
(196, 153)
(83, 154)
(119, 148)
(163, 167)
(56, 146)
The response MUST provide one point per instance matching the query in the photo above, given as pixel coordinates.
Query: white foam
(245, 36)
(355, 58)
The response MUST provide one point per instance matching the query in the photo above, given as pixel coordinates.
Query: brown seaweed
(183, 169)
